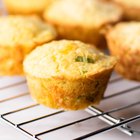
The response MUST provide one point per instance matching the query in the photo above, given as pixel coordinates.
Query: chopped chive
(84, 71)
(79, 59)
(90, 60)
(84, 59)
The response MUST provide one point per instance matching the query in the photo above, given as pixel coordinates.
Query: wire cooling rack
(119, 109)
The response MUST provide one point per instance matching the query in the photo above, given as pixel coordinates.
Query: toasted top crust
(24, 31)
(26, 6)
(67, 59)
(126, 35)
(129, 3)
(85, 13)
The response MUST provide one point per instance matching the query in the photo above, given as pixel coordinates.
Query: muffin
(131, 8)
(26, 6)
(18, 36)
(124, 42)
(67, 74)
(82, 19)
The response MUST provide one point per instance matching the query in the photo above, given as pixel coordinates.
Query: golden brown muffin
(82, 19)
(26, 6)
(67, 74)
(18, 36)
(124, 42)
(131, 8)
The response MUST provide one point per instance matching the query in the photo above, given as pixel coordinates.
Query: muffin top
(130, 3)
(66, 59)
(26, 6)
(85, 13)
(24, 31)
(126, 34)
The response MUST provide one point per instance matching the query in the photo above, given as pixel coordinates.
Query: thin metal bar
(133, 130)
(115, 80)
(19, 129)
(121, 92)
(108, 119)
(7, 120)
(105, 129)
(116, 123)
(14, 111)
(95, 115)
(12, 85)
(39, 118)
(27, 133)
(47, 131)
(69, 123)
(123, 107)
(14, 97)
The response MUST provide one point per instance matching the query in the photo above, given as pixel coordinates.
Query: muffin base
(91, 35)
(11, 61)
(69, 94)
(129, 62)
(130, 13)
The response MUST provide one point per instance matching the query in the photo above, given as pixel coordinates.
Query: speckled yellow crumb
(18, 36)
(82, 19)
(124, 42)
(67, 74)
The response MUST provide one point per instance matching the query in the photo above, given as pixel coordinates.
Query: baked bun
(124, 42)
(67, 74)
(18, 36)
(131, 8)
(82, 19)
(26, 6)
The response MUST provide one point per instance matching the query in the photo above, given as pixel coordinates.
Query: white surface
(9, 133)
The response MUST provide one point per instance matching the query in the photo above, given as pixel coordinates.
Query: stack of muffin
(70, 72)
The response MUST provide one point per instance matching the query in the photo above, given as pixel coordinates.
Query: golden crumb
(131, 8)
(82, 19)
(124, 42)
(68, 74)
(18, 36)
(26, 6)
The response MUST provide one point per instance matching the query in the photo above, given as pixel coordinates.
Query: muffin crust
(18, 36)
(67, 74)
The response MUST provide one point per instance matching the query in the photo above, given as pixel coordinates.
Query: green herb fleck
(79, 59)
(90, 60)
(84, 71)
(84, 59)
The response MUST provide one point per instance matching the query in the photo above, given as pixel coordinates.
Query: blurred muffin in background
(26, 6)
(131, 8)
(82, 19)
(68, 74)
(18, 36)
(124, 42)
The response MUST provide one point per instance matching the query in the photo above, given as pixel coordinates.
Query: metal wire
(121, 124)
(135, 118)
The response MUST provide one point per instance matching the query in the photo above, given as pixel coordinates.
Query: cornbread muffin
(18, 36)
(131, 8)
(26, 6)
(124, 42)
(82, 19)
(67, 74)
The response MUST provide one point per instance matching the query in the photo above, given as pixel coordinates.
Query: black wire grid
(38, 122)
